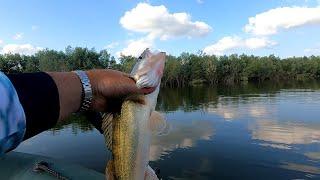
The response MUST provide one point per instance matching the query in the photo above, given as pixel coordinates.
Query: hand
(110, 87)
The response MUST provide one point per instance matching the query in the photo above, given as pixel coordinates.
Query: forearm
(70, 90)
(51, 97)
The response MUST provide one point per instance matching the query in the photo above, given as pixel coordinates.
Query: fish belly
(131, 141)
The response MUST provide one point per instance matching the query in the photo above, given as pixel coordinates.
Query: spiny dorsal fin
(107, 129)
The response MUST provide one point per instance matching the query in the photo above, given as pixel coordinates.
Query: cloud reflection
(278, 146)
(234, 112)
(285, 133)
(263, 124)
(184, 134)
(229, 113)
(313, 155)
(301, 168)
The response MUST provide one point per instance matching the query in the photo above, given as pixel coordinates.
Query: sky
(284, 28)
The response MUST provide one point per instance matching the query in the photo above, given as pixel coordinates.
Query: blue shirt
(12, 116)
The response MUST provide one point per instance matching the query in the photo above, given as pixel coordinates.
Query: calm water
(253, 132)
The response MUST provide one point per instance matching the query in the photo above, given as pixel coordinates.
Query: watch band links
(86, 90)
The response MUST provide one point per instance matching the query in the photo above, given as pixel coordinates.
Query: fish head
(148, 70)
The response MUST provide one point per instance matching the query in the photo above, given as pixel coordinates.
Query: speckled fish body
(131, 133)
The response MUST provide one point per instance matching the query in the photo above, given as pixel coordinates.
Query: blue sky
(281, 27)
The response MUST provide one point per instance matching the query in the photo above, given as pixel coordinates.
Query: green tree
(127, 63)
(51, 60)
(12, 63)
(180, 70)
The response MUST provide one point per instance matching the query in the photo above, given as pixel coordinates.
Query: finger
(128, 76)
(148, 90)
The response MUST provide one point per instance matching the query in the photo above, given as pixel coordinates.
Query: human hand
(110, 87)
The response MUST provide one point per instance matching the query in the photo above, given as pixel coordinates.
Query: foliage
(186, 69)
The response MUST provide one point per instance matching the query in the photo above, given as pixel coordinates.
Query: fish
(128, 132)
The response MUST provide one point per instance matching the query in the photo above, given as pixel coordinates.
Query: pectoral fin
(158, 124)
(150, 174)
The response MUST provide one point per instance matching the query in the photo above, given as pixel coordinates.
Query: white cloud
(158, 22)
(18, 36)
(136, 47)
(258, 43)
(34, 28)
(112, 45)
(315, 50)
(222, 45)
(270, 22)
(26, 49)
(234, 42)
(200, 1)
(1, 41)
(312, 51)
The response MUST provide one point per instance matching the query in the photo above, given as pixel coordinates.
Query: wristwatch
(86, 90)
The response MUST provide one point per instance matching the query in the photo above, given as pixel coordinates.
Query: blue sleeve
(12, 116)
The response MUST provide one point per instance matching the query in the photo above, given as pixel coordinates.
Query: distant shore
(184, 70)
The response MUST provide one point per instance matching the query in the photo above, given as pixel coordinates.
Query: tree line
(185, 69)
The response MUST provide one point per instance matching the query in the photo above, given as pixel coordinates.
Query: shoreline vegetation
(183, 70)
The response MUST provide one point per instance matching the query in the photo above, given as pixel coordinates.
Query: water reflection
(313, 155)
(186, 99)
(285, 133)
(301, 167)
(77, 124)
(236, 109)
(286, 120)
(183, 134)
(267, 131)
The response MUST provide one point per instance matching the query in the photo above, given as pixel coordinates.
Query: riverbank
(185, 69)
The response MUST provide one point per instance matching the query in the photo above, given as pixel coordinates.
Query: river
(265, 131)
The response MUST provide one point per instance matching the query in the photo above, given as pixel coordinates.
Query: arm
(46, 98)
(69, 90)
(49, 97)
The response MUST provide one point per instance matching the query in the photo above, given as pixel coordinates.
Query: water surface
(265, 131)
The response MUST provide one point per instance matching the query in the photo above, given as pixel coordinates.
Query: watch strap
(86, 90)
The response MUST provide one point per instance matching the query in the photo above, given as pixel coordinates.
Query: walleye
(128, 133)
